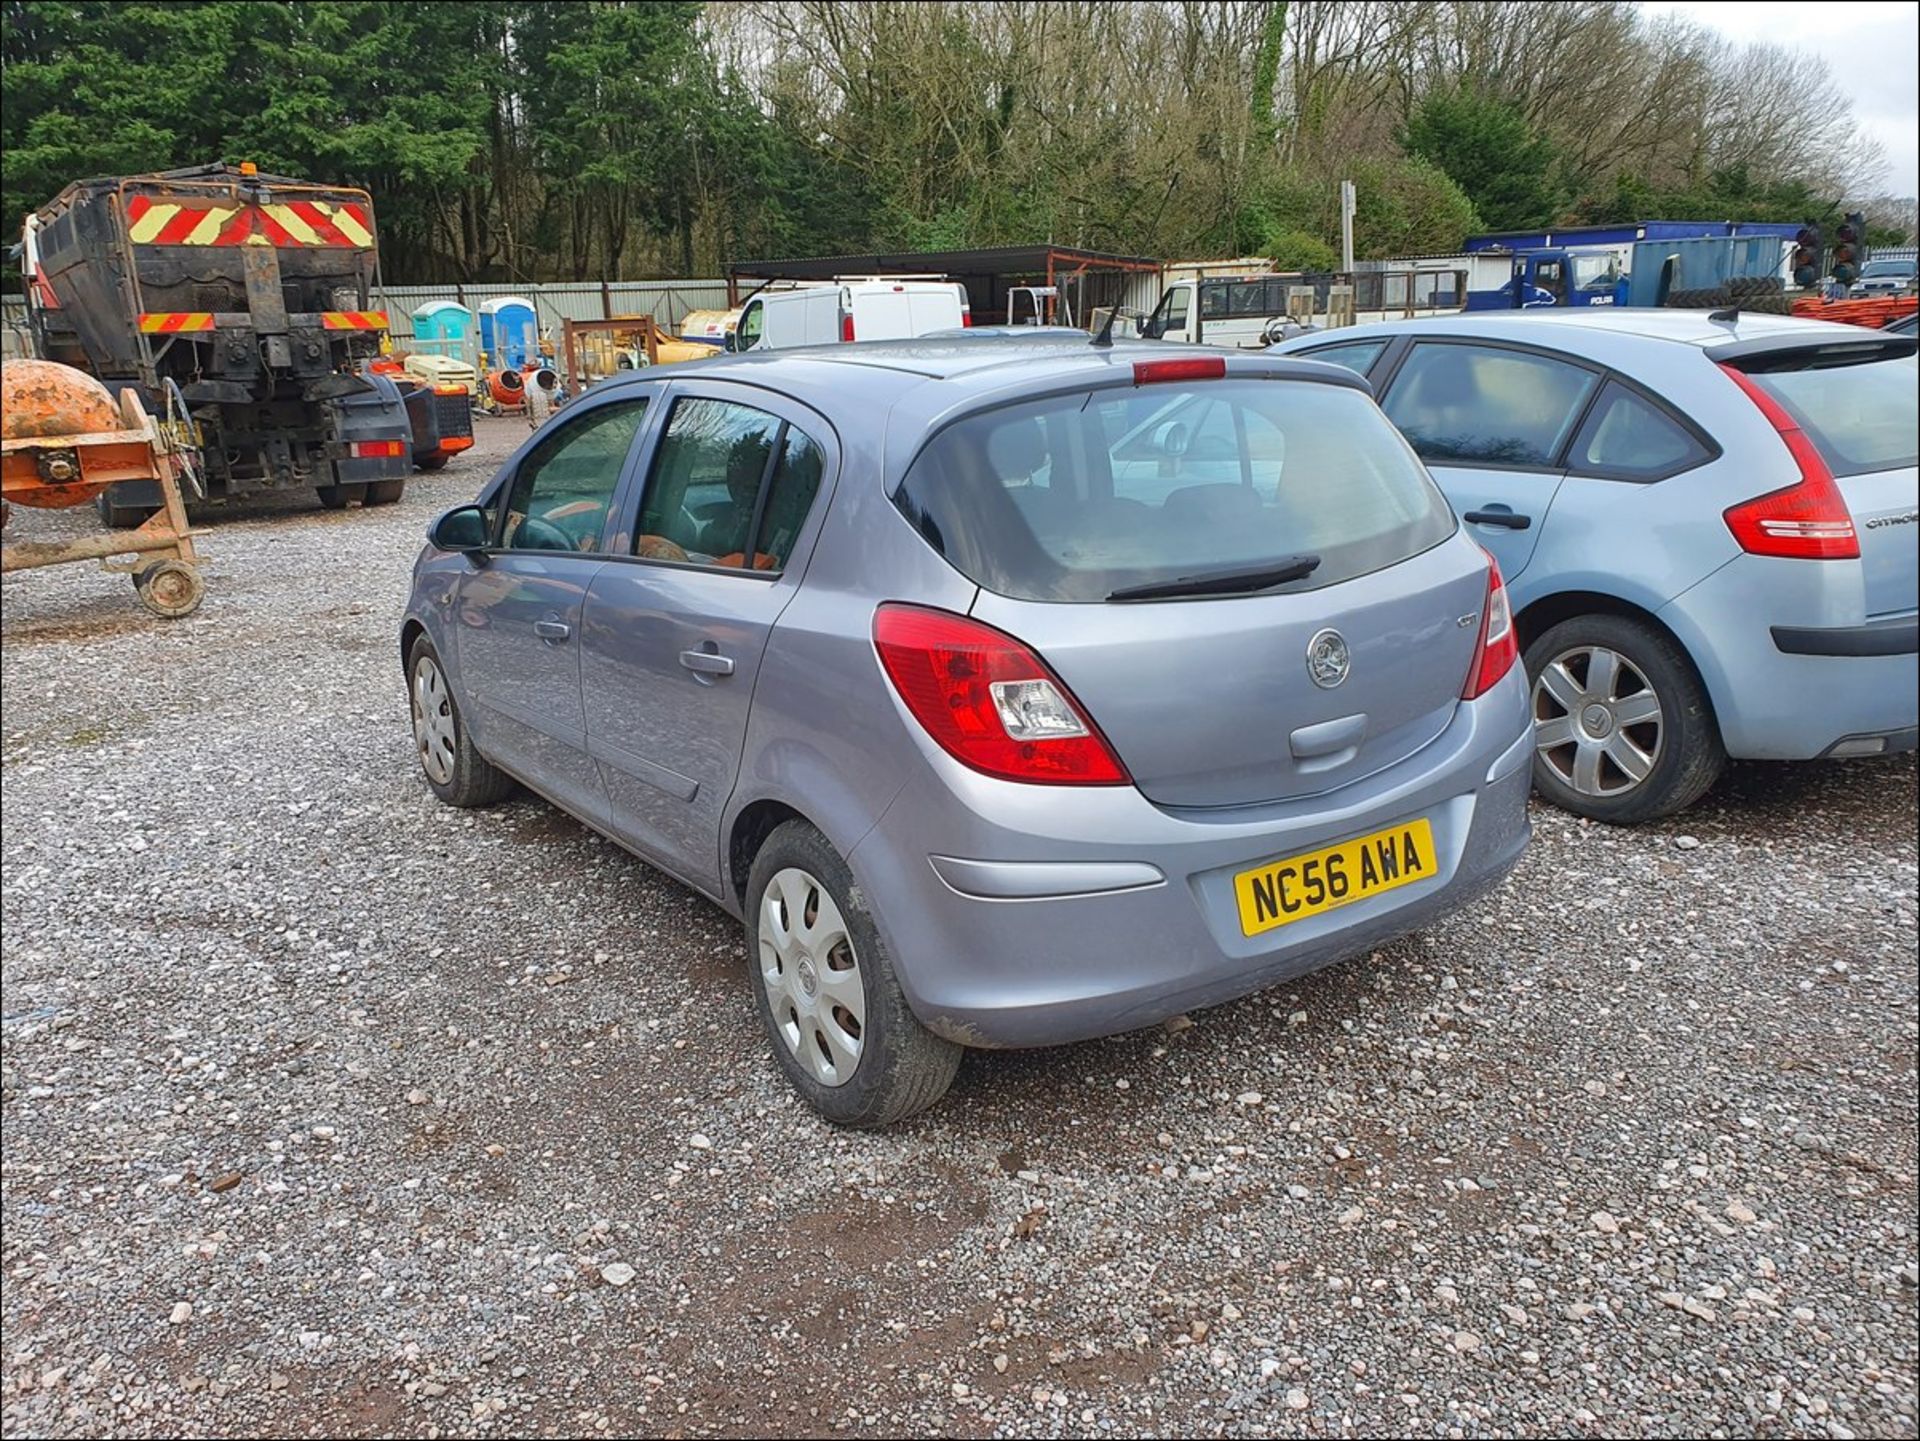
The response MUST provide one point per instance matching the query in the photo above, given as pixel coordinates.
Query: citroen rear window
(1075, 497)
(1861, 406)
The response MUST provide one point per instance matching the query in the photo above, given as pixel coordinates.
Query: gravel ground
(328, 1109)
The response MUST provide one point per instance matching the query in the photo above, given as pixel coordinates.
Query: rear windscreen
(1862, 416)
(1077, 496)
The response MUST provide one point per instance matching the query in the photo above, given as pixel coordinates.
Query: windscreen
(1862, 415)
(1076, 497)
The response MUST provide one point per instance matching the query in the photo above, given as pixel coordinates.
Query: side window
(1629, 436)
(704, 495)
(796, 480)
(560, 493)
(1474, 405)
(1358, 356)
(1214, 299)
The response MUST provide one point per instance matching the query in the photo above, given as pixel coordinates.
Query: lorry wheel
(435, 462)
(335, 497)
(122, 517)
(170, 588)
(384, 492)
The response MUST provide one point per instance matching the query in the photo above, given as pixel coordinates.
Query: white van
(876, 309)
(1233, 310)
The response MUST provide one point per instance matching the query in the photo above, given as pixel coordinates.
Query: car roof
(834, 378)
(1565, 329)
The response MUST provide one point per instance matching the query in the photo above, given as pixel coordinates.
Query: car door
(1492, 423)
(672, 633)
(519, 609)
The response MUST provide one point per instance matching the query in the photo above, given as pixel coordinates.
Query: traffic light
(1848, 245)
(1806, 256)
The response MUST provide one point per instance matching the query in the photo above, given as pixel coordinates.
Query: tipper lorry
(239, 306)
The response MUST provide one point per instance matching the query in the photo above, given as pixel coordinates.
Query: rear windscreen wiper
(1224, 582)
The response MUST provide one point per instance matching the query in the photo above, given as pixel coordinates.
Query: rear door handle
(554, 630)
(706, 662)
(1505, 518)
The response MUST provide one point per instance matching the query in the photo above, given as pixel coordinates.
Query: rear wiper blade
(1224, 582)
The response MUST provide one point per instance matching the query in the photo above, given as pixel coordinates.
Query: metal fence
(667, 301)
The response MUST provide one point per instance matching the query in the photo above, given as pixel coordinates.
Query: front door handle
(553, 630)
(1505, 518)
(706, 662)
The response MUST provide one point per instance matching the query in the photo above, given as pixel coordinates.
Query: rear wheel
(122, 517)
(385, 492)
(337, 497)
(1623, 731)
(834, 1013)
(434, 462)
(457, 772)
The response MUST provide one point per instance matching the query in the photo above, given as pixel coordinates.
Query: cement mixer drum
(70, 413)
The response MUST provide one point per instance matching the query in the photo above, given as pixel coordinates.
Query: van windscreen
(1076, 497)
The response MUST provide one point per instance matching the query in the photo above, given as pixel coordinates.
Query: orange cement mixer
(63, 440)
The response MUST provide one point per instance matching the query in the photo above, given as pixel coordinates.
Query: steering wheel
(537, 534)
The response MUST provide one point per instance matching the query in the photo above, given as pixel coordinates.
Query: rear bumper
(1899, 636)
(1885, 743)
(1028, 915)
(1793, 666)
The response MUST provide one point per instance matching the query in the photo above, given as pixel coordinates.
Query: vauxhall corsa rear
(1009, 694)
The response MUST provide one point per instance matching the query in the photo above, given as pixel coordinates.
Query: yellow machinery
(64, 440)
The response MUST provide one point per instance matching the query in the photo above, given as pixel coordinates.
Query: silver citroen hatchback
(1009, 694)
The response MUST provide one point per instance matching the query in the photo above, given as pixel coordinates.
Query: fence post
(606, 301)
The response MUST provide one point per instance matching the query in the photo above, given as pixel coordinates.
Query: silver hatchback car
(1706, 520)
(1010, 693)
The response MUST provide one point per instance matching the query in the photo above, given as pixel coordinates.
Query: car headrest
(1016, 448)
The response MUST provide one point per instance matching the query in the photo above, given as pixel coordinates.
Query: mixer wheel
(170, 588)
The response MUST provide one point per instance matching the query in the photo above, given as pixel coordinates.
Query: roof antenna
(1104, 340)
(1730, 314)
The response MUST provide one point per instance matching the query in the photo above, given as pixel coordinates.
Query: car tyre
(811, 943)
(1624, 731)
(456, 771)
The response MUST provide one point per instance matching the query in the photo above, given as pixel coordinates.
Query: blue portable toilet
(508, 332)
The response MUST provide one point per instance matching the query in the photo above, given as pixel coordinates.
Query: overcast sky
(1871, 48)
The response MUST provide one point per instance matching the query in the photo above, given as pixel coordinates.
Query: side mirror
(464, 528)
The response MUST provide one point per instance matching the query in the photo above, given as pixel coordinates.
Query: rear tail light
(1497, 649)
(1203, 367)
(989, 701)
(374, 449)
(450, 444)
(1805, 521)
(846, 327)
(966, 319)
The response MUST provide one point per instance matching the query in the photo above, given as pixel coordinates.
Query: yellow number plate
(1302, 886)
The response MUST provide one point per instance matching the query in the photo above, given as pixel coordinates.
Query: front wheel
(839, 1025)
(457, 772)
(1623, 731)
